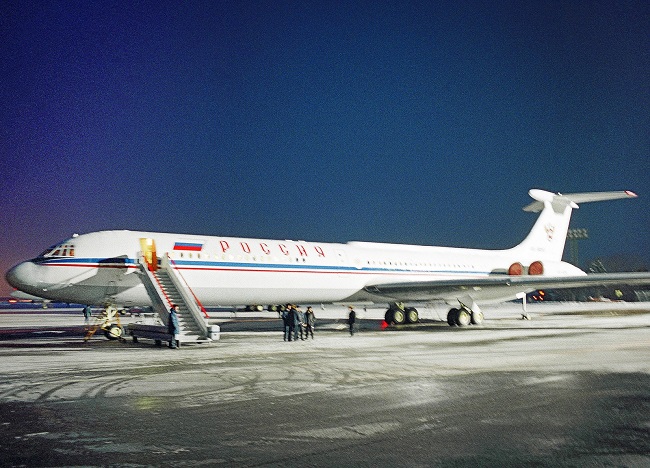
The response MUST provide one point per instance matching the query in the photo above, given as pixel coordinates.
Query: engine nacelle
(536, 268)
(548, 268)
(516, 269)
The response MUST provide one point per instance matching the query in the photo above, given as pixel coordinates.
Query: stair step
(190, 330)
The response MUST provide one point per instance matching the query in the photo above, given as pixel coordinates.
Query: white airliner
(104, 268)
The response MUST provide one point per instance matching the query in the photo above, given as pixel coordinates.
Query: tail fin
(547, 237)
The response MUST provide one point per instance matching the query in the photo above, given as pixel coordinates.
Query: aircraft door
(148, 246)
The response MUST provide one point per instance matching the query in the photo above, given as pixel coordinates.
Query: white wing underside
(497, 286)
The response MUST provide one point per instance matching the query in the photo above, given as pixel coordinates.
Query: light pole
(574, 235)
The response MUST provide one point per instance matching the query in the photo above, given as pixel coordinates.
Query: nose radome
(22, 276)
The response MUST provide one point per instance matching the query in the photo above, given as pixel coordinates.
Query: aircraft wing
(16, 294)
(495, 286)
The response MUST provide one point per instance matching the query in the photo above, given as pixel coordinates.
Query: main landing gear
(397, 314)
(464, 316)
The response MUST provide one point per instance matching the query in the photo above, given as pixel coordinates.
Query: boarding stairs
(166, 286)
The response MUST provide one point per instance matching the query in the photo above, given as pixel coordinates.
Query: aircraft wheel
(452, 317)
(113, 332)
(463, 319)
(399, 317)
(388, 316)
(412, 315)
(477, 318)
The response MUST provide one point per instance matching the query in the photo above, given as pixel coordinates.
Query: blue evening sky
(420, 122)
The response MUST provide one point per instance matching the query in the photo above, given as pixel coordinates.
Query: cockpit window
(61, 250)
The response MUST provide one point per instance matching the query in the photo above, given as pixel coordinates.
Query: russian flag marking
(188, 246)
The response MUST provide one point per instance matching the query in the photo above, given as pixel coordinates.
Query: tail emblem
(550, 231)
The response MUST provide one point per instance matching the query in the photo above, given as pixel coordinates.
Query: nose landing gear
(109, 322)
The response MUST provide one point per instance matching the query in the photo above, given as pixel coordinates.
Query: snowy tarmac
(568, 388)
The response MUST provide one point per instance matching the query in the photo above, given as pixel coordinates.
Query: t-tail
(547, 237)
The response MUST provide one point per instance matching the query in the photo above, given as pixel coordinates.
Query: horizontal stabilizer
(572, 199)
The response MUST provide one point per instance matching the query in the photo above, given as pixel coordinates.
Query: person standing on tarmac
(291, 317)
(287, 320)
(298, 323)
(88, 312)
(352, 318)
(310, 319)
(172, 327)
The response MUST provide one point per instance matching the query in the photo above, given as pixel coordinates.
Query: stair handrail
(187, 285)
(154, 289)
(198, 315)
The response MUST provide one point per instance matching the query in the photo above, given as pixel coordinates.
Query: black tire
(412, 315)
(114, 332)
(477, 318)
(388, 316)
(399, 317)
(463, 318)
(452, 317)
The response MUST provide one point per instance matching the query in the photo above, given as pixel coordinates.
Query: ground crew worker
(87, 314)
(352, 318)
(172, 327)
(291, 317)
(310, 319)
(286, 322)
(299, 319)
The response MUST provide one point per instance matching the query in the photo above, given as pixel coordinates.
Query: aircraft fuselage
(102, 266)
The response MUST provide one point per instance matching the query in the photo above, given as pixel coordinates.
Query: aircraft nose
(22, 276)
